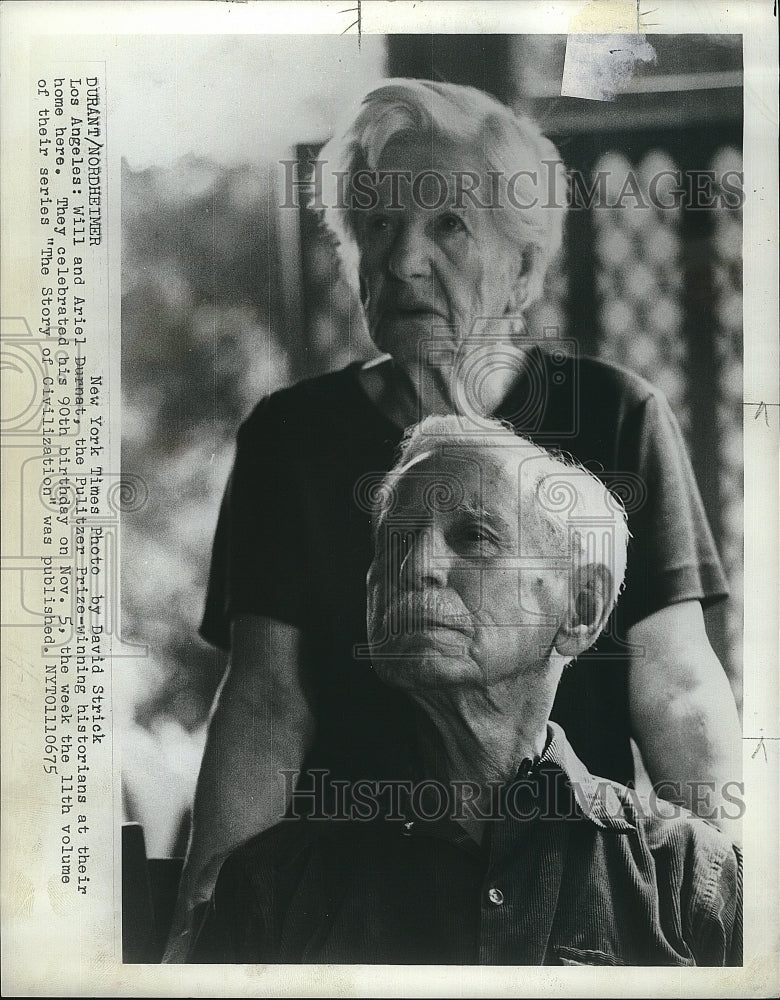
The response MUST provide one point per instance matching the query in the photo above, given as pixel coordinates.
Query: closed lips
(413, 306)
(416, 311)
(430, 615)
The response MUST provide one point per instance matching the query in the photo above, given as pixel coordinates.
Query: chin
(419, 665)
(401, 338)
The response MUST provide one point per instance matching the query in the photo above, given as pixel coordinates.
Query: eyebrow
(482, 515)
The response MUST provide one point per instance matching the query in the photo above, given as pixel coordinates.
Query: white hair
(581, 517)
(504, 145)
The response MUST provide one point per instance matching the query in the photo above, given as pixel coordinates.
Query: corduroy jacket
(572, 870)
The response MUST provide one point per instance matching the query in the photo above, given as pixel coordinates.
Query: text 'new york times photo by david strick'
(389, 461)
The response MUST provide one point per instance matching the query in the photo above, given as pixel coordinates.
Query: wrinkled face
(444, 265)
(459, 592)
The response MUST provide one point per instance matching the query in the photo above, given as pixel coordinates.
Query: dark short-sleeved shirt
(571, 870)
(293, 542)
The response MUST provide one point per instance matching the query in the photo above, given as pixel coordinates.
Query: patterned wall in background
(727, 283)
(639, 278)
(642, 258)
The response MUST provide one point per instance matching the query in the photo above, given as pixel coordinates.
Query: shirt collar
(603, 802)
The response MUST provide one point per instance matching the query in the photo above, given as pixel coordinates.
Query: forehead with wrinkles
(495, 486)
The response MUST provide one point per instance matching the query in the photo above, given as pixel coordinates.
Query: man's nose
(426, 563)
(411, 251)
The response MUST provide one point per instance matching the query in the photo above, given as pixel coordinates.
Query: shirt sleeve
(715, 902)
(258, 562)
(734, 954)
(672, 554)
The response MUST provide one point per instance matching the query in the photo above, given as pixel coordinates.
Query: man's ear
(591, 602)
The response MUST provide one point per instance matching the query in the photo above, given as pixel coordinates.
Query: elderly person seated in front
(495, 565)
(439, 199)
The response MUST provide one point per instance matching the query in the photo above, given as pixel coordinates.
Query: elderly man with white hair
(495, 565)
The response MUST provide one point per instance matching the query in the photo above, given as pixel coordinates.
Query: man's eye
(378, 223)
(450, 223)
(479, 538)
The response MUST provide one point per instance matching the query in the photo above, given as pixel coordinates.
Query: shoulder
(679, 876)
(685, 867)
(700, 841)
(278, 845)
(691, 856)
(324, 397)
(664, 828)
(699, 870)
(287, 845)
(709, 866)
(590, 402)
(608, 380)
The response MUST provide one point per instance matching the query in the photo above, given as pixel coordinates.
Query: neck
(475, 386)
(482, 736)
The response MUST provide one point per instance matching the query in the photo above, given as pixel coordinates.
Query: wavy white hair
(503, 144)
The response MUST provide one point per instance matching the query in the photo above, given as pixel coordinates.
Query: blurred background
(227, 297)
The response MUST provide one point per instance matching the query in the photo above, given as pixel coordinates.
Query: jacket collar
(605, 803)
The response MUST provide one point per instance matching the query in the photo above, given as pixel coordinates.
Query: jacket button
(496, 896)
